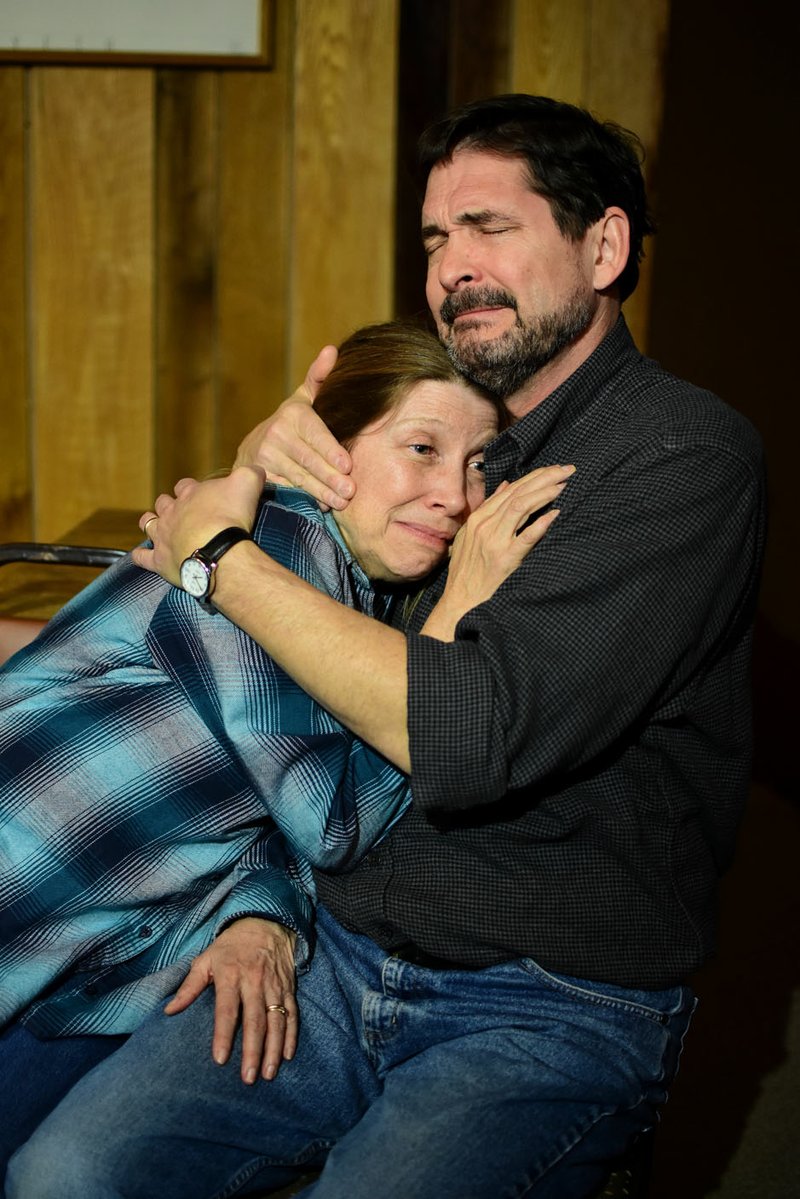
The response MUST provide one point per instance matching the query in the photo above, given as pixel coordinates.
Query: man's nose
(457, 264)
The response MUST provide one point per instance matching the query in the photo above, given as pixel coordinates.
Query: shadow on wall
(723, 303)
(722, 315)
(776, 710)
(733, 1108)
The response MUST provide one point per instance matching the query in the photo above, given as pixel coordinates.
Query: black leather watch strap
(214, 549)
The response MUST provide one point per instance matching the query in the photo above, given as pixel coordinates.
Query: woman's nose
(449, 492)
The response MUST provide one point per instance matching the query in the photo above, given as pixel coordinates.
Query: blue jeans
(407, 1081)
(36, 1076)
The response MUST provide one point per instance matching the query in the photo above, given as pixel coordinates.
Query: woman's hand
(180, 524)
(251, 965)
(489, 547)
(295, 447)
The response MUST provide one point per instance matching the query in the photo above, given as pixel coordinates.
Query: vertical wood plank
(607, 56)
(550, 48)
(425, 50)
(449, 54)
(626, 84)
(185, 274)
(481, 49)
(15, 481)
(92, 202)
(344, 170)
(254, 231)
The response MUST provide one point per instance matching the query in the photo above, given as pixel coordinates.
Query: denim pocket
(659, 1006)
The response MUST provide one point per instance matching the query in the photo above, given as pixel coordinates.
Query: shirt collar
(300, 501)
(359, 575)
(564, 408)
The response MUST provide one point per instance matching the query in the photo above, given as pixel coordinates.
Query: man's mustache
(477, 297)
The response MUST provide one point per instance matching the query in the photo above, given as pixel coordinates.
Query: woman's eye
(420, 447)
(479, 466)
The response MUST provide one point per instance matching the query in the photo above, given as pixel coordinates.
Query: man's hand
(295, 447)
(489, 546)
(251, 965)
(180, 524)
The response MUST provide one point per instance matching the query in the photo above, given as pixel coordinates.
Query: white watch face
(195, 576)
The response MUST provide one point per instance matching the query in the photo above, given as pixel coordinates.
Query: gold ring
(149, 522)
(277, 1007)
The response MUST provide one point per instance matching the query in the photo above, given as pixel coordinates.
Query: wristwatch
(198, 570)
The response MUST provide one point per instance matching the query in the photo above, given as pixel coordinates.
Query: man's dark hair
(580, 165)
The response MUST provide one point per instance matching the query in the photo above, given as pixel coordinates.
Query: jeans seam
(598, 999)
(578, 1135)
(235, 1184)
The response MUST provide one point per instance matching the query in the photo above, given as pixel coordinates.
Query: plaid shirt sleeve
(331, 795)
(145, 747)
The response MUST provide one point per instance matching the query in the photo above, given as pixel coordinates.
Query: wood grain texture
(185, 274)
(91, 292)
(15, 481)
(344, 170)
(254, 233)
(480, 39)
(628, 46)
(175, 248)
(607, 56)
(550, 48)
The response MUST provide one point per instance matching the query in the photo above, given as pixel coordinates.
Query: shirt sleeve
(331, 795)
(271, 884)
(648, 573)
(101, 629)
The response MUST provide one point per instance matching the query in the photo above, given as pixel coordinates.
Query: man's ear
(611, 246)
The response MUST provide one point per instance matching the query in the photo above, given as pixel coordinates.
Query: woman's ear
(611, 244)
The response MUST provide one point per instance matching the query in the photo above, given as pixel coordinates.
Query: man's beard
(504, 364)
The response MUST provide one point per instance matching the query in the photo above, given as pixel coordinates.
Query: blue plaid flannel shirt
(148, 750)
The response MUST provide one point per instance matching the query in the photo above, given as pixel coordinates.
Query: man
(497, 999)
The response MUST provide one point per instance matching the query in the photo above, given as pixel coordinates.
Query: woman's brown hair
(376, 368)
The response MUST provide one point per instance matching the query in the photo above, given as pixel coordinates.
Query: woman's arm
(352, 665)
(275, 734)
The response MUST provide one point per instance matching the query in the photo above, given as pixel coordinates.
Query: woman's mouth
(436, 538)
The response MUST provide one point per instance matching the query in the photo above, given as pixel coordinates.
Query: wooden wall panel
(481, 49)
(254, 232)
(194, 237)
(91, 291)
(628, 47)
(550, 48)
(185, 273)
(15, 481)
(344, 170)
(608, 56)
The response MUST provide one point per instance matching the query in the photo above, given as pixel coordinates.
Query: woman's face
(418, 472)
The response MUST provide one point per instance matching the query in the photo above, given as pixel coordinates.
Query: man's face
(507, 290)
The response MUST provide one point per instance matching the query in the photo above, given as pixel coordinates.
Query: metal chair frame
(59, 555)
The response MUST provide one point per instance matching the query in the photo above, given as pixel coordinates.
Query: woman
(149, 748)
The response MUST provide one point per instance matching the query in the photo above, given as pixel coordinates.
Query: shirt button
(145, 931)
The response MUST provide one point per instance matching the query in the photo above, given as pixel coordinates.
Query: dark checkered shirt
(580, 753)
